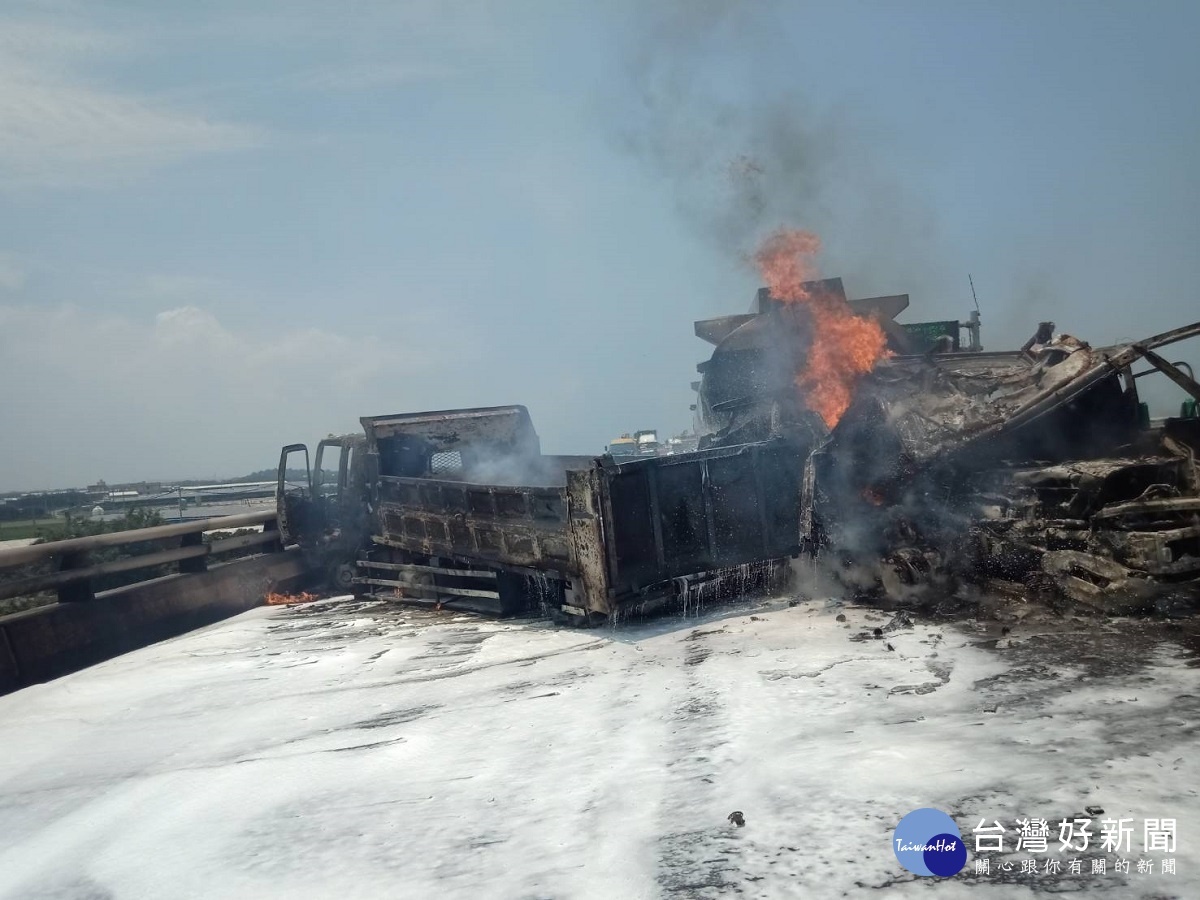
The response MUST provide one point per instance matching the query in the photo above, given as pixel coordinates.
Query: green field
(27, 528)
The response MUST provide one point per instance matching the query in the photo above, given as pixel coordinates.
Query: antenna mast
(972, 324)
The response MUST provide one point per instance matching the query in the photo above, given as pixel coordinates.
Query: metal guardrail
(74, 571)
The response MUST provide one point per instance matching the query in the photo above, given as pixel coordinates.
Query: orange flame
(274, 599)
(844, 348)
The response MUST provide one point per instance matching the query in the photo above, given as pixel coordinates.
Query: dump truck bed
(505, 524)
(613, 533)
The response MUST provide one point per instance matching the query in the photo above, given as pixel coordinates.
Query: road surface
(354, 749)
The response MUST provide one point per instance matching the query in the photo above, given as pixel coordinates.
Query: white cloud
(59, 126)
(107, 396)
(12, 273)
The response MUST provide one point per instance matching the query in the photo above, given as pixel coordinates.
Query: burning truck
(905, 458)
(1038, 470)
(929, 464)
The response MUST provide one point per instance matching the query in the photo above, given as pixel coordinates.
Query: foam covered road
(354, 749)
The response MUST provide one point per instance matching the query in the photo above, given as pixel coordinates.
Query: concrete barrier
(44, 643)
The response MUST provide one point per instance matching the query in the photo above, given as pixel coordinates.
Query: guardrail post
(75, 591)
(195, 563)
(277, 545)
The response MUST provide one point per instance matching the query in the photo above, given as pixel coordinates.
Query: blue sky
(228, 226)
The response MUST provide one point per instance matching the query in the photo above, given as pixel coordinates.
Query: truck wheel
(341, 577)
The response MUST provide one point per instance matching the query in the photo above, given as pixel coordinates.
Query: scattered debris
(901, 620)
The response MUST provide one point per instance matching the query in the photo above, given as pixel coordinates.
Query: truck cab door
(329, 485)
(297, 513)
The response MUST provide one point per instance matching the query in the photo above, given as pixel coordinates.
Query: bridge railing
(74, 570)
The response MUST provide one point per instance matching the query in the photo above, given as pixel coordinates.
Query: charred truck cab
(324, 508)
(459, 508)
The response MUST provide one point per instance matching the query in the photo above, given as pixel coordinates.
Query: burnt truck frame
(460, 508)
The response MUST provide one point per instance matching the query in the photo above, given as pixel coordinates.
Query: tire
(341, 577)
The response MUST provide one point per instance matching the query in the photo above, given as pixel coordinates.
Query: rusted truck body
(460, 508)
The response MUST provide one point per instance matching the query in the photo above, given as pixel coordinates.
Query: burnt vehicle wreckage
(1036, 471)
(460, 509)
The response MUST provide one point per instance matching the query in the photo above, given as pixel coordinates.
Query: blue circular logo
(927, 842)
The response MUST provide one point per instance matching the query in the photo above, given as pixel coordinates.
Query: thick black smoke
(747, 150)
(736, 168)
